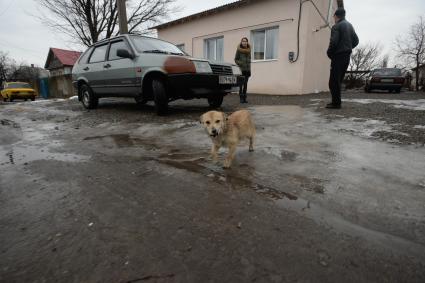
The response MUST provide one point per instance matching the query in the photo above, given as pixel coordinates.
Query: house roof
(216, 10)
(65, 57)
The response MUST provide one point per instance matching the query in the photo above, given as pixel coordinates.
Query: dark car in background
(390, 79)
(150, 69)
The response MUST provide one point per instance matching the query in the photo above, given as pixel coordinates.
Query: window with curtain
(214, 49)
(265, 44)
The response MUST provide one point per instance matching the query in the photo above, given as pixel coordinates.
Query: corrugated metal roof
(216, 10)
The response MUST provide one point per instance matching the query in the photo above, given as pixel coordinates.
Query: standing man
(343, 40)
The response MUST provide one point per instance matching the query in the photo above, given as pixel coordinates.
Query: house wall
(61, 86)
(271, 77)
(315, 61)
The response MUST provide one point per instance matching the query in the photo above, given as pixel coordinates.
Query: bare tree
(6, 64)
(364, 59)
(89, 21)
(412, 46)
(10, 70)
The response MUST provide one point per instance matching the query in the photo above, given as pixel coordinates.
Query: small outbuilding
(60, 62)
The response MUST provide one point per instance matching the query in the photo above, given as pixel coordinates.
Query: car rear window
(99, 54)
(387, 72)
(85, 56)
(18, 85)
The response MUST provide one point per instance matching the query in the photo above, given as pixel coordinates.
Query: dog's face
(214, 122)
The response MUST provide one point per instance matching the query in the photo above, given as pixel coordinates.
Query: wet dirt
(120, 195)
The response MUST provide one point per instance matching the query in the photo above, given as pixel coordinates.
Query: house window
(265, 44)
(214, 49)
(181, 47)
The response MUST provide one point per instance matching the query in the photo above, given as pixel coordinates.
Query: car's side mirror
(123, 53)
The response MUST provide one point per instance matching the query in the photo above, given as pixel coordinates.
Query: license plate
(227, 80)
(387, 80)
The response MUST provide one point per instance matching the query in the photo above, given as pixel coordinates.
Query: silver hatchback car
(149, 69)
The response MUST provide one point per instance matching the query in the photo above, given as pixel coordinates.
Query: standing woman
(243, 60)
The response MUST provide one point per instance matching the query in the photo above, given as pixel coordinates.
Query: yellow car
(17, 90)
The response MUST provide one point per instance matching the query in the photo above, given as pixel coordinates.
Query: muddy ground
(120, 195)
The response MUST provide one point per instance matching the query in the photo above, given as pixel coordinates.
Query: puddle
(23, 154)
(124, 140)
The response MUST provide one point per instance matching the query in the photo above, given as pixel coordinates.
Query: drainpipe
(331, 4)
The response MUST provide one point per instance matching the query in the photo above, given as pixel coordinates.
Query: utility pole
(122, 16)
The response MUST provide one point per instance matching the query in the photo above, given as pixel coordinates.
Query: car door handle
(86, 69)
(107, 66)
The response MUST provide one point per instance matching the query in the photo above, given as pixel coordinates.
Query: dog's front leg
(230, 156)
(214, 152)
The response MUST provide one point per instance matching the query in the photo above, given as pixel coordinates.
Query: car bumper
(199, 85)
(385, 86)
(22, 95)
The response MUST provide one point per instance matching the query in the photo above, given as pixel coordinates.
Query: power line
(10, 45)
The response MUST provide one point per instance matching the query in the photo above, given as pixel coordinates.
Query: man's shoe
(241, 99)
(333, 106)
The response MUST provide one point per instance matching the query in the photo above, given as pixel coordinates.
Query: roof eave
(203, 14)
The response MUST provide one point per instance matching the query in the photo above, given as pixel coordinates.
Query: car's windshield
(153, 45)
(387, 72)
(17, 85)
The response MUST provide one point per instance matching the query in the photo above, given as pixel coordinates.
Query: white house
(289, 39)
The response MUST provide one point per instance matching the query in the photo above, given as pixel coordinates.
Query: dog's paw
(251, 150)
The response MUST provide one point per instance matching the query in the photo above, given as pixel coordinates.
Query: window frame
(265, 44)
(94, 49)
(115, 41)
(88, 52)
(215, 45)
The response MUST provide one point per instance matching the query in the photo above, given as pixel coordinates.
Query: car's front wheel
(5, 99)
(160, 96)
(88, 98)
(215, 101)
(32, 98)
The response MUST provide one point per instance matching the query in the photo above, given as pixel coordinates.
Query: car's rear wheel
(398, 90)
(215, 101)
(88, 98)
(11, 98)
(160, 96)
(32, 98)
(367, 89)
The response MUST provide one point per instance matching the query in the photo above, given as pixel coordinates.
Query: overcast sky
(26, 39)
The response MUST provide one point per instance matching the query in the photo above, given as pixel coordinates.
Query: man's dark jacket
(343, 39)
